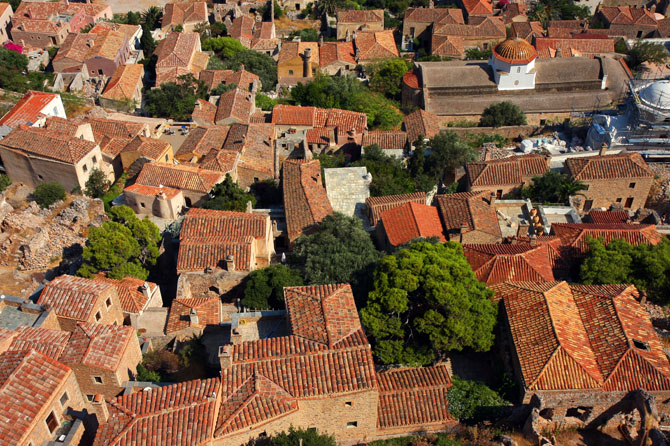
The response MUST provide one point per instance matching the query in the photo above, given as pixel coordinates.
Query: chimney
(272, 11)
(357, 54)
(250, 207)
(226, 356)
(603, 149)
(559, 52)
(193, 317)
(307, 63)
(146, 289)
(242, 67)
(230, 263)
(321, 41)
(533, 240)
(492, 200)
(431, 4)
(99, 406)
(643, 297)
(464, 227)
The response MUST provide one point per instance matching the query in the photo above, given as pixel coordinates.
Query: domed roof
(657, 95)
(515, 51)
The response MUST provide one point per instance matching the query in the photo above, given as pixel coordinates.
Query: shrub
(501, 114)
(5, 181)
(161, 361)
(473, 401)
(97, 184)
(145, 375)
(47, 194)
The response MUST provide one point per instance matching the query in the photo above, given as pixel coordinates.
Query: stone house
(373, 46)
(628, 22)
(188, 15)
(578, 364)
(33, 109)
(581, 45)
(527, 30)
(16, 312)
(179, 54)
(233, 107)
(392, 142)
(411, 220)
(298, 60)
(474, 8)
(450, 39)
(37, 155)
(75, 299)
(152, 149)
(420, 122)
(124, 89)
(6, 14)
(255, 146)
(189, 316)
(135, 296)
(505, 175)
(255, 34)
(200, 141)
(349, 22)
(337, 58)
(36, 394)
(133, 32)
(193, 182)
(469, 217)
(375, 206)
(623, 178)
(265, 386)
(102, 53)
(162, 202)
(305, 199)
(419, 23)
(43, 25)
(244, 79)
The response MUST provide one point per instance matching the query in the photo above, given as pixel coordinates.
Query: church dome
(515, 51)
(657, 95)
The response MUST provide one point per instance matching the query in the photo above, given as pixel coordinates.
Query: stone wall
(604, 193)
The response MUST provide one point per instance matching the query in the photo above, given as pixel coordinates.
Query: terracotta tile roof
(478, 7)
(410, 396)
(512, 11)
(574, 235)
(433, 15)
(225, 161)
(305, 199)
(207, 222)
(293, 115)
(129, 289)
(608, 217)
(386, 139)
(113, 128)
(377, 205)
(360, 16)
(244, 79)
(179, 54)
(28, 381)
(625, 15)
(477, 28)
(257, 148)
(80, 47)
(321, 135)
(527, 30)
(151, 148)
(506, 171)
(343, 121)
(411, 220)
(178, 415)
(584, 45)
(322, 313)
(200, 253)
(72, 297)
(201, 140)
(48, 342)
(242, 29)
(331, 52)
(622, 165)
(376, 45)
(583, 337)
(61, 125)
(260, 117)
(421, 123)
(179, 177)
(411, 79)
(291, 50)
(112, 147)
(99, 346)
(204, 112)
(184, 13)
(151, 191)
(124, 82)
(28, 109)
(237, 104)
(127, 30)
(43, 143)
(446, 46)
(208, 310)
(471, 209)
(497, 263)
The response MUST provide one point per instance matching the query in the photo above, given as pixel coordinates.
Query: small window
(142, 205)
(348, 404)
(41, 178)
(85, 168)
(167, 158)
(629, 202)
(90, 397)
(518, 69)
(543, 121)
(499, 193)
(64, 399)
(52, 422)
(108, 302)
(98, 316)
(95, 159)
(352, 424)
(631, 186)
(618, 200)
(640, 345)
(290, 72)
(97, 379)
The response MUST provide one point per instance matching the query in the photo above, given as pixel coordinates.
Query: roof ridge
(551, 358)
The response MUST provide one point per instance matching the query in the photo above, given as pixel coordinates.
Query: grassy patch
(114, 191)
(74, 105)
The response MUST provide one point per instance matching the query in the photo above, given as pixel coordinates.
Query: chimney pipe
(100, 408)
(603, 149)
(193, 317)
(230, 263)
(533, 240)
(464, 227)
(492, 200)
(307, 63)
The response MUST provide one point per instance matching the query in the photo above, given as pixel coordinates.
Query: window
(97, 379)
(40, 177)
(499, 193)
(98, 316)
(142, 205)
(290, 72)
(618, 200)
(95, 160)
(108, 302)
(631, 186)
(518, 69)
(348, 404)
(167, 158)
(639, 34)
(640, 345)
(629, 202)
(352, 424)
(85, 168)
(411, 32)
(588, 204)
(90, 397)
(52, 422)
(64, 399)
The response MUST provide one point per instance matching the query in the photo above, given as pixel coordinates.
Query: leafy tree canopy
(425, 302)
(47, 194)
(267, 193)
(228, 196)
(175, 100)
(222, 88)
(265, 288)
(226, 47)
(12, 60)
(477, 54)
(126, 246)
(546, 10)
(447, 152)
(643, 52)
(553, 187)
(338, 251)
(502, 113)
(152, 17)
(264, 11)
(130, 18)
(473, 401)
(386, 76)
(97, 184)
(306, 35)
(645, 266)
(309, 437)
(389, 176)
(5, 181)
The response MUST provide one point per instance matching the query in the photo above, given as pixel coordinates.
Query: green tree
(304, 437)
(448, 152)
(386, 76)
(47, 194)
(175, 100)
(147, 41)
(12, 60)
(501, 114)
(226, 47)
(261, 64)
(268, 193)
(306, 35)
(338, 251)
(553, 187)
(147, 376)
(265, 288)
(473, 401)
(5, 181)
(228, 196)
(178, 28)
(546, 10)
(264, 11)
(477, 54)
(643, 52)
(265, 103)
(97, 184)
(389, 177)
(152, 17)
(222, 88)
(426, 302)
(123, 247)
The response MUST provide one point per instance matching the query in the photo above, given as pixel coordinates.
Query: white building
(513, 65)
(33, 110)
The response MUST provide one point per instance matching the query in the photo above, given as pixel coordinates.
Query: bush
(265, 288)
(161, 361)
(473, 401)
(47, 194)
(5, 181)
(501, 114)
(97, 184)
(145, 375)
(305, 437)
